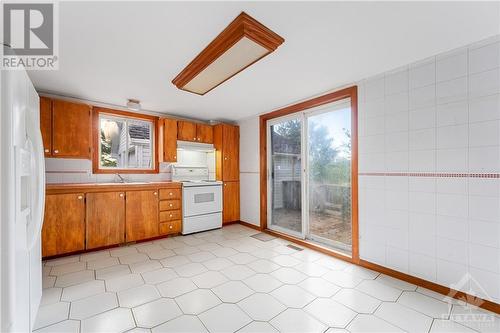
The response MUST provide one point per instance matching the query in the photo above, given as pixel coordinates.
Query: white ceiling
(117, 50)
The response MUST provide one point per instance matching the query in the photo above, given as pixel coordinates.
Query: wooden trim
(242, 26)
(476, 301)
(96, 111)
(352, 93)
(250, 225)
(309, 245)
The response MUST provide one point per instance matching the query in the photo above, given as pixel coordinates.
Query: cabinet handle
(155, 193)
(194, 139)
(171, 205)
(80, 197)
(47, 150)
(225, 184)
(225, 158)
(175, 157)
(170, 193)
(171, 215)
(56, 151)
(170, 227)
(121, 195)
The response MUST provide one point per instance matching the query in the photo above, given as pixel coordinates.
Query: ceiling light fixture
(133, 104)
(242, 43)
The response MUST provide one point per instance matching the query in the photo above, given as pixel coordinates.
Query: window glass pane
(125, 143)
(110, 138)
(139, 148)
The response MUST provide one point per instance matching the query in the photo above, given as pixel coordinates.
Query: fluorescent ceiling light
(241, 44)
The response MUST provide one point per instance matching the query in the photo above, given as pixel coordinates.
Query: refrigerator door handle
(37, 179)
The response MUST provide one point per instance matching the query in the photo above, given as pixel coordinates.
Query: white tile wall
(442, 115)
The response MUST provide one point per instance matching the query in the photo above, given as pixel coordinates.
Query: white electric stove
(201, 199)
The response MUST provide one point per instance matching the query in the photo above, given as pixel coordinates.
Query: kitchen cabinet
(204, 133)
(63, 228)
(186, 131)
(105, 219)
(141, 215)
(46, 124)
(66, 128)
(189, 131)
(227, 157)
(71, 128)
(169, 142)
(231, 202)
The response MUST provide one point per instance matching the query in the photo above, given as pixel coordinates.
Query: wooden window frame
(350, 92)
(96, 111)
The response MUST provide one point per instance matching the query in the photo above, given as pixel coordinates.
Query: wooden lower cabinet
(231, 202)
(105, 219)
(141, 215)
(63, 228)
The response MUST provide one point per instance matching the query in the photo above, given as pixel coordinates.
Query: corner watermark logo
(30, 35)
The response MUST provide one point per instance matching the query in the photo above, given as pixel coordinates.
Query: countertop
(105, 187)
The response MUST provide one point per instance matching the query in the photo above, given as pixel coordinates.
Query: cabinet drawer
(170, 215)
(170, 204)
(170, 193)
(166, 228)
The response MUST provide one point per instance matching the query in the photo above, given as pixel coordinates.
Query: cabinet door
(105, 219)
(169, 140)
(63, 228)
(70, 129)
(205, 133)
(141, 215)
(230, 153)
(46, 124)
(186, 131)
(231, 202)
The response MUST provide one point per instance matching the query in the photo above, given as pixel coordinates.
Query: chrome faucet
(122, 180)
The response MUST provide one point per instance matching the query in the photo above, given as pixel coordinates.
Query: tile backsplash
(66, 170)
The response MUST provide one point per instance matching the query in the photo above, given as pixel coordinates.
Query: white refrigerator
(22, 199)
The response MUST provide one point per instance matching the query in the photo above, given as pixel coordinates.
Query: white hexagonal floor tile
(232, 291)
(217, 264)
(191, 269)
(319, 287)
(261, 307)
(263, 283)
(209, 279)
(356, 300)
(258, 327)
(330, 312)
(197, 301)
(237, 272)
(93, 305)
(224, 318)
(136, 296)
(159, 275)
(296, 320)
(176, 287)
(117, 320)
(293, 296)
(182, 324)
(156, 312)
(289, 275)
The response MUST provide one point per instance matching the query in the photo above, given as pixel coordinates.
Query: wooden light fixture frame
(242, 26)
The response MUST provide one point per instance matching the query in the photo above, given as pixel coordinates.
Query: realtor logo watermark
(30, 35)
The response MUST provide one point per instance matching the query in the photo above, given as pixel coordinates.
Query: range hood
(196, 146)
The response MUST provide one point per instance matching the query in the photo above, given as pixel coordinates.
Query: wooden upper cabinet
(231, 202)
(141, 215)
(63, 228)
(71, 129)
(186, 131)
(105, 219)
(227, 143)
(46, 124)
(204, 133)
(169, 142)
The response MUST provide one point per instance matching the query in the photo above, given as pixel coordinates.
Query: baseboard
(250, 225)
(471, 299)
(446, 291)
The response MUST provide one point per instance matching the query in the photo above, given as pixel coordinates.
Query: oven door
(199, 200)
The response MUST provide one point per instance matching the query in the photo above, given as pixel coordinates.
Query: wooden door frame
(350, 92)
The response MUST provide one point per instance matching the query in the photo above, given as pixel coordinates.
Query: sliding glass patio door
(285, 175)
(309, 172)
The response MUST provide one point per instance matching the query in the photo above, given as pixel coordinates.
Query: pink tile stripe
(432, 174)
